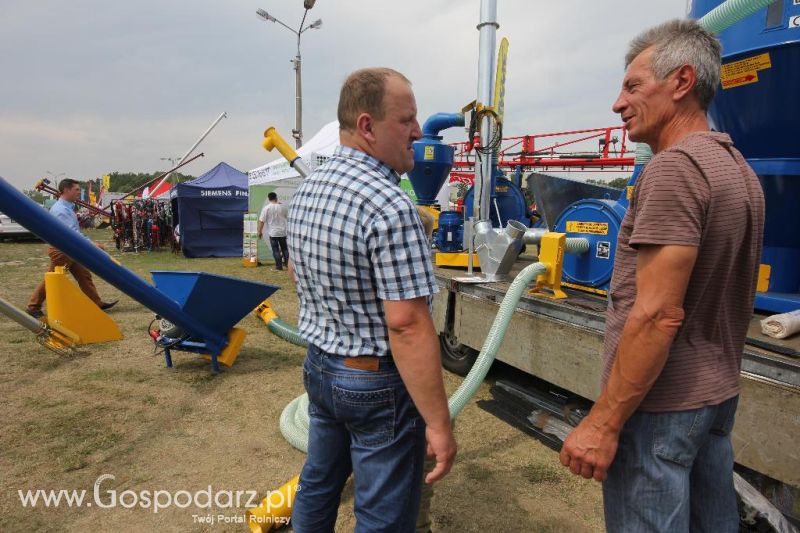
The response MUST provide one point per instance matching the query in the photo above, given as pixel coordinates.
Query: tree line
(119, 182)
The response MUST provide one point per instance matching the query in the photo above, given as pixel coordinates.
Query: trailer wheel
(456, 357)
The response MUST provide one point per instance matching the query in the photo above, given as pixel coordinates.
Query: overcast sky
(92, 87)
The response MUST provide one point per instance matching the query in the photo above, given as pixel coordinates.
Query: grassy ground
(115, 409)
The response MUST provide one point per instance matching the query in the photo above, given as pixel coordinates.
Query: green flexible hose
(286, 331)
(718, 19)
(729, 13)
(294, 418)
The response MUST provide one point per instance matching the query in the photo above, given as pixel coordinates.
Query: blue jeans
(674, 472)
(280, 251)
(364, 422)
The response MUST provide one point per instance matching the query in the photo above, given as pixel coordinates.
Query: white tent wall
(279, 177)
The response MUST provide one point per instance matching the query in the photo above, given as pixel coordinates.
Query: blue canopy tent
(210, 212)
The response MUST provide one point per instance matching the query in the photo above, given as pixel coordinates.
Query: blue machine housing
(433, 159)
(598, 221)
(510, 202)
(450, 234)
(762, 117)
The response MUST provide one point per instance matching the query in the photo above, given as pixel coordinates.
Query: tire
(456, 357)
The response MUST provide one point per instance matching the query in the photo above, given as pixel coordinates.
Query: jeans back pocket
(368, 414)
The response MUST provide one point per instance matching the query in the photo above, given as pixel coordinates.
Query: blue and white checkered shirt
(355, 239)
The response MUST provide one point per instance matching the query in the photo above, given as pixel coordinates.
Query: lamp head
(264, 15)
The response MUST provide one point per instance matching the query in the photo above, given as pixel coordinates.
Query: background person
(64, 210)
(273, 217)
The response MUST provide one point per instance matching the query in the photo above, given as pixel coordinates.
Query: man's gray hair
(682, 42)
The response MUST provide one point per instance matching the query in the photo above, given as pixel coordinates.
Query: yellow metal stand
(231, 352)
(456, 260)
(69, 309)
(275, 510)
(551, 252)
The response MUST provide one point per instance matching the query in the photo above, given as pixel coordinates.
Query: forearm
(416, 353)
(641, 356)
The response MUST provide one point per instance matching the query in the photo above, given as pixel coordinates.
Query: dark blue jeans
(674, 472)
(363, 422)
(280, 251)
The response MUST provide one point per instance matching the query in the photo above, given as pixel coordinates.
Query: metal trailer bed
(560, 342)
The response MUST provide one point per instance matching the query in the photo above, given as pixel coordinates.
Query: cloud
(94, 87)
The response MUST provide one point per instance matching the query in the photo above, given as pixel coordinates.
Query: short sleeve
(670, 202)
(400, 254)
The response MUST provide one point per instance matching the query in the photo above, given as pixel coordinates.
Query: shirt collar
(357, 155)
(69, 204)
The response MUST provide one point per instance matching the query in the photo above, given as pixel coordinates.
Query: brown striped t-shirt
(699, 192)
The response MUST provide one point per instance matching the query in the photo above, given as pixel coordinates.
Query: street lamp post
(297, 132)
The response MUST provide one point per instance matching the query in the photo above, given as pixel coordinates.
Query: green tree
(127, 181)
(617, 183)
(36, 196)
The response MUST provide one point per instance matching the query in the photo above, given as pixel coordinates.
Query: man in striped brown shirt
(681, 298)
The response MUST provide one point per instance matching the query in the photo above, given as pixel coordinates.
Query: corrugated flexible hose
(294, 418)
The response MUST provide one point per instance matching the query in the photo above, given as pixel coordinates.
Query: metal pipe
(273, 139)
(173, 169)
(22, 318)
(441, 121)
(195, 145)
(486, 50)
(42, 223)
(533, 235)
(297, 133)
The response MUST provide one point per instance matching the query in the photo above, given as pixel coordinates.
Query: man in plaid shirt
(365, 281)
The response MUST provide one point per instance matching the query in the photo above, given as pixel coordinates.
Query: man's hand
(441, 446)
(589, 450)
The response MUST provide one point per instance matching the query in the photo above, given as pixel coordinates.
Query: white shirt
(273, 216)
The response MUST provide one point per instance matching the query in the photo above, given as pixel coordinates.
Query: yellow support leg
(551, 252)
(71, 310)
(275, 510)
(231, 352)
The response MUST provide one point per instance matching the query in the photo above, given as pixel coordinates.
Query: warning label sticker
(629, 192)
(428, 156)
(744, 71)
(595, 228)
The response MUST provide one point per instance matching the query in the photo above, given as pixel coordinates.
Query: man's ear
(364, 127)
(684, 79)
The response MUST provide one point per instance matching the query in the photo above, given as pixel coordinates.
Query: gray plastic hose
(294, 418)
